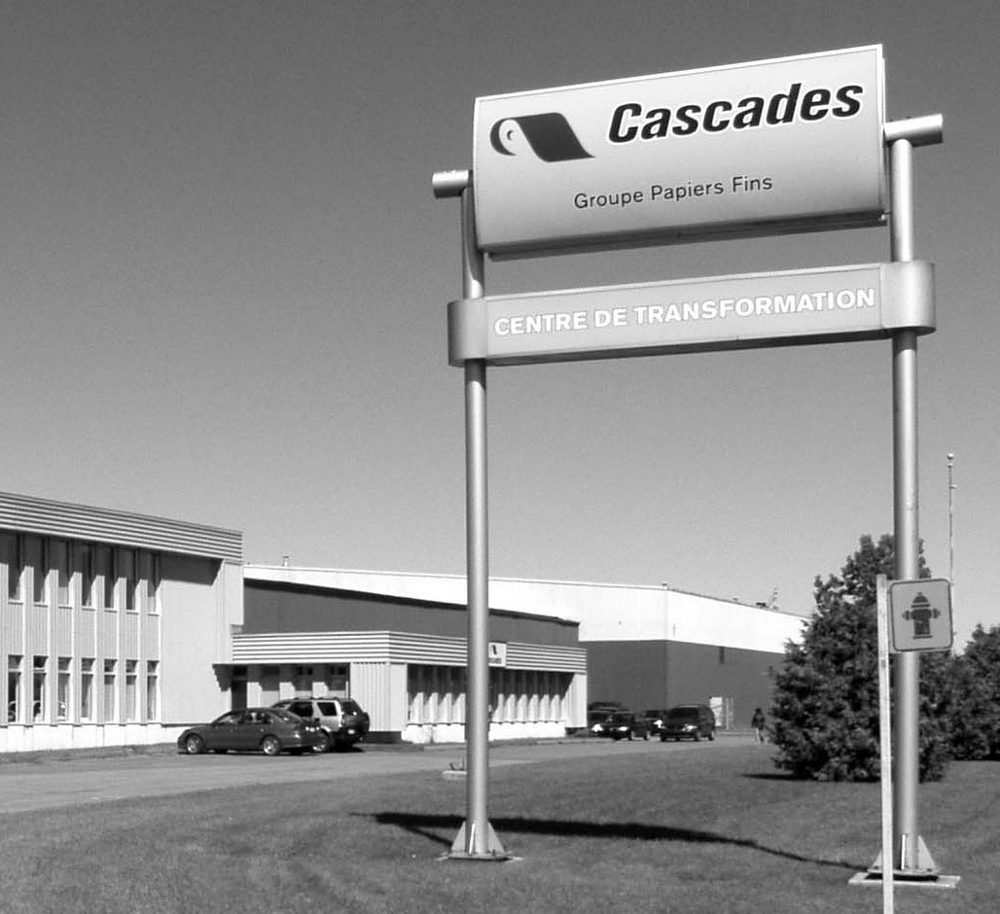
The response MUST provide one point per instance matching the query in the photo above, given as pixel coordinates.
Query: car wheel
(270, 745)
(630, 736)
(194, 745)
(711, 736)
(663, 737)
(324, 745)
(645, 736)
(697, 737)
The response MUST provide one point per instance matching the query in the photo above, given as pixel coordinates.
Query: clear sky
(224, 278)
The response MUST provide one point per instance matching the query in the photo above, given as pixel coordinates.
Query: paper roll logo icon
(549, 136)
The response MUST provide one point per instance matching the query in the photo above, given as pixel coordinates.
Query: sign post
(885, 738)
(476, 839)
(911, 857)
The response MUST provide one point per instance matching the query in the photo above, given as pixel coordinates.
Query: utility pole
(951, 522)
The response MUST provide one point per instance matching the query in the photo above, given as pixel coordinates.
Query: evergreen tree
(824, 712)
(975, 718)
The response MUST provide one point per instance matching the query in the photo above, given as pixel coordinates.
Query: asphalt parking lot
(58, 780)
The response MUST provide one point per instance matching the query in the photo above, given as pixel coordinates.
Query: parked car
(597, 713)
(341, 719)
(266, 730)
(688, 722)
(625, 725)
(654, 717)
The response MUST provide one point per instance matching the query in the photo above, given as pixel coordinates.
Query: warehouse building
(112, 624)
(317, 632)
(396, 643)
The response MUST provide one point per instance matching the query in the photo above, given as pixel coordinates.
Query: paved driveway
(46, 783)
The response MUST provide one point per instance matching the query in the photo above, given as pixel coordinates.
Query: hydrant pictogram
(921, 612)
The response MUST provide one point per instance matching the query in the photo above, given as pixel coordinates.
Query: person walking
(758, 722)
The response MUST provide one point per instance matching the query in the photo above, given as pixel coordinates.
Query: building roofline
(47, 517)
(254, 567)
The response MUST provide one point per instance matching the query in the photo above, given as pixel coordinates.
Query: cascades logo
(549, 137)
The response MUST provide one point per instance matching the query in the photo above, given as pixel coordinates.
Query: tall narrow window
(131, 690)
(126, 571)
(12, 555)
(110, 708)
(106, 569)
(14, 662)
(87, 689)
(64, 573)
(64, 687)
(152, 690)
(39, 689)
(88, 572)
(38, 557)
(151, 579)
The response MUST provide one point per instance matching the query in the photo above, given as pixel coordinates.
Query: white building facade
(111, 624)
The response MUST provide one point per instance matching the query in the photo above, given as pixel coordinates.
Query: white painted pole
(885, 740)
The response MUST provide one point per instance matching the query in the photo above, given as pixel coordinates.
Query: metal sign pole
(910, 856)
(476, 839)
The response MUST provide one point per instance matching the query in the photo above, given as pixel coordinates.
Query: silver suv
(341, 719)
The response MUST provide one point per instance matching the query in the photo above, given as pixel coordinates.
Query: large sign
(728, 312)
(777, 145)
(920, 614)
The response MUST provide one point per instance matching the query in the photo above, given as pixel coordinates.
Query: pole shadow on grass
(428, 825)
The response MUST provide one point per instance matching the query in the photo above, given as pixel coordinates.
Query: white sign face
(695, 315)
(755, 148)
(920, 614)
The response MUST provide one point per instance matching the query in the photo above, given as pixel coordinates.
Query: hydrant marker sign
(787, 144)
(920, 615)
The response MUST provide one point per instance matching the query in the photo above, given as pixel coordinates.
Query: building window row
(141, 701)
(104, 577)
(437, 695)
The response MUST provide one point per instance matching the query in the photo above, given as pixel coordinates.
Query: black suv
(341, 719)
(688, 722)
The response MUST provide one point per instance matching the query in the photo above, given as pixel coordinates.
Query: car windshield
(232, 717)
(282, 715)
(683, 714)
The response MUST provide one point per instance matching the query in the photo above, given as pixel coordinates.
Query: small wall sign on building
(920, 615)
(498, 653)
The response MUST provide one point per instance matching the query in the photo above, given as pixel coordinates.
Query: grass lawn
(715, 829)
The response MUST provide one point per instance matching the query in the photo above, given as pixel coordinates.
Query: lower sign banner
(695, 315)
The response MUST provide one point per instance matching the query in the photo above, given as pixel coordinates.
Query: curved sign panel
(771, 146)
(835, 304)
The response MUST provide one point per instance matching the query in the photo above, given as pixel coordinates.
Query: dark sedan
(625, 725)
(266, 730)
